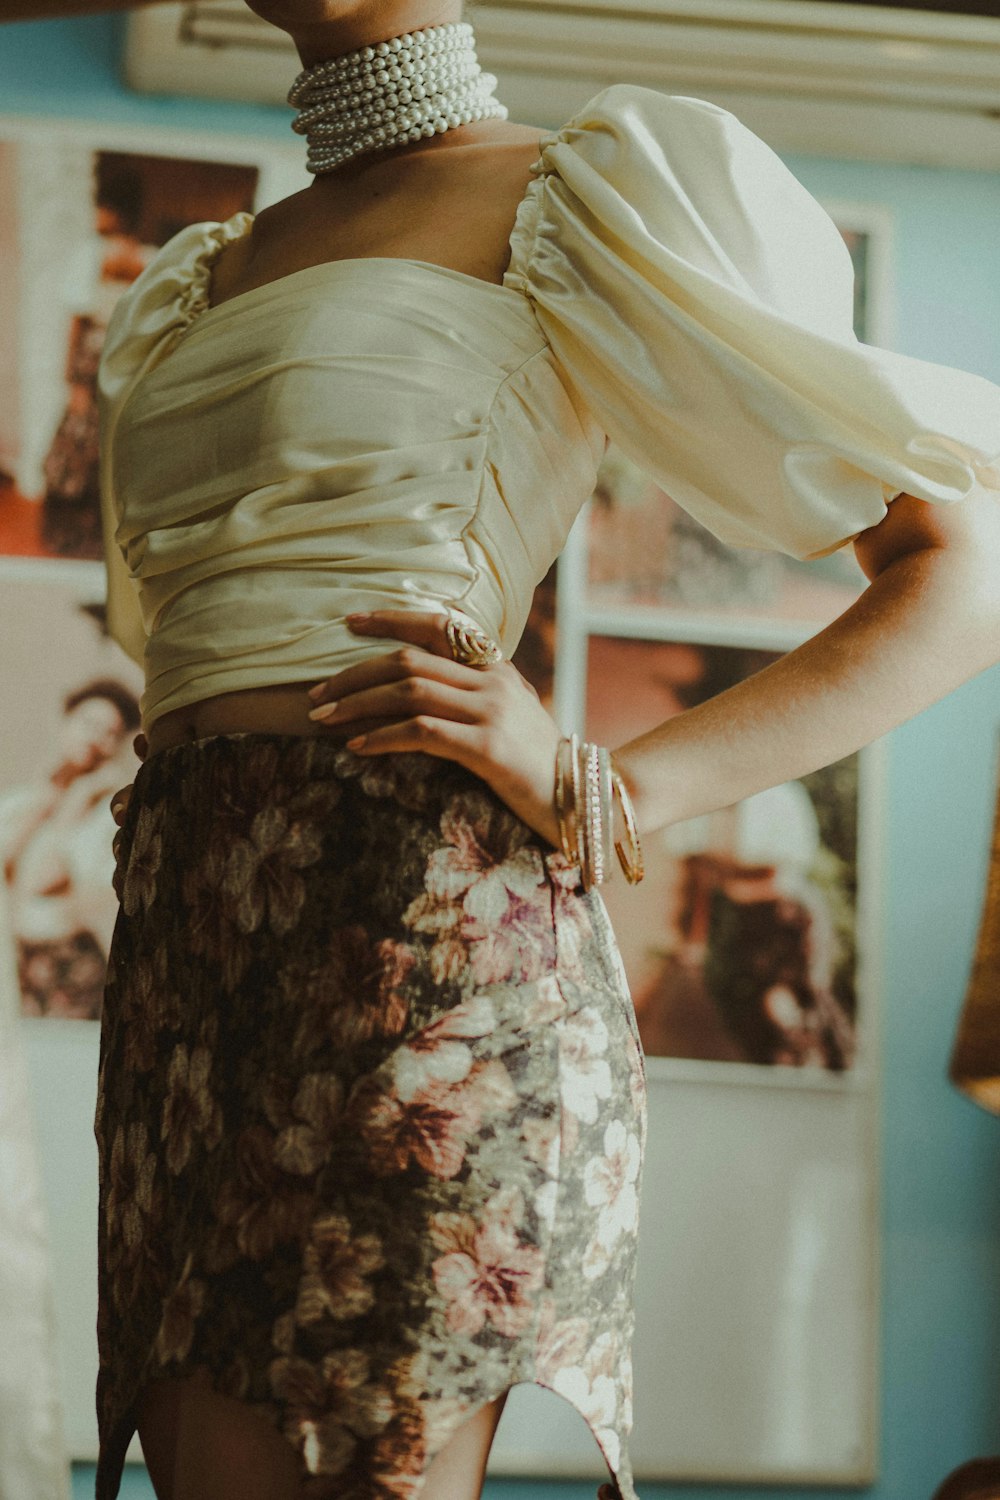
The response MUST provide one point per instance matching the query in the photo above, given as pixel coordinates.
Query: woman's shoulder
(644, 178)
(631, 118)
(164, 299)
(651, 148)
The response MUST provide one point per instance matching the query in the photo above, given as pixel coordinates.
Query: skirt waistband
(245, 765)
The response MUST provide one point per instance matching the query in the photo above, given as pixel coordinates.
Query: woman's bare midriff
(282, 708)
(452, 203)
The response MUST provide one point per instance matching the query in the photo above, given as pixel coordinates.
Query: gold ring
(471, 646)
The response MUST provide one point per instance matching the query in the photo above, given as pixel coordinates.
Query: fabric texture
(386, 431)
(371, 1111)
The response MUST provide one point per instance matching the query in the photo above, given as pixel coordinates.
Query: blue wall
(941, 1156)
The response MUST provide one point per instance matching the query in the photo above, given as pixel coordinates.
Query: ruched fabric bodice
(359, 434)
(385, 431)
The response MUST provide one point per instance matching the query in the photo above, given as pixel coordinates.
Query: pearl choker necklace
(418, 84)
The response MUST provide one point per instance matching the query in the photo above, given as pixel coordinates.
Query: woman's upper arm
(911, 525)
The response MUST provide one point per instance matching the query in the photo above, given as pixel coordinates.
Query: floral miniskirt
(371, 1111)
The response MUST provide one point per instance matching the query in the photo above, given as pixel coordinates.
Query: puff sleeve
(146, 321)
(701, 301)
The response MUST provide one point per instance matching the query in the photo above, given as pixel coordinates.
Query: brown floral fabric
(371, 1111)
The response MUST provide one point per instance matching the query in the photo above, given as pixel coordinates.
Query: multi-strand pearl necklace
(418, 84)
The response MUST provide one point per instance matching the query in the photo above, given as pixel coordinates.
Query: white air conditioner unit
(816, 76)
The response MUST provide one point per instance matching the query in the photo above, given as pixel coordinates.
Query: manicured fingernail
(357, 742)
(359, 618)
(314, 692)
(325, 711)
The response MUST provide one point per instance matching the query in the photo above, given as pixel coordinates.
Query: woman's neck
(336, 28)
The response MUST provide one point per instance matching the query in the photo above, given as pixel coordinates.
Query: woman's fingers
(445, 738)
(390, 666)
(423, 630)
(420, 627)
(418, 697)
(119, 802)
(120, 799)
(119, 805)
(398, 699)
(517, 762)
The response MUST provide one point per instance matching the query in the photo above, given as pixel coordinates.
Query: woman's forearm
(926, 624)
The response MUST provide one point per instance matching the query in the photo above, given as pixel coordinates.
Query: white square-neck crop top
(391, 432)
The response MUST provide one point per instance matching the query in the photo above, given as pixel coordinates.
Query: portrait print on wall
(62, 756)
(740, 943)
(87, 207)
(83, 222)
(646, 552)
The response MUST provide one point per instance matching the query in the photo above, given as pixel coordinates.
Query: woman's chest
(458, 218)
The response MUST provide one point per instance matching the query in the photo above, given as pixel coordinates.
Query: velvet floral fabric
(371, 1111)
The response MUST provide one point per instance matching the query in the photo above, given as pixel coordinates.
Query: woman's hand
(120, 801)
(488, 719)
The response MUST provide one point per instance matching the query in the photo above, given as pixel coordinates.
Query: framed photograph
(62, 756)
(86, 208)
(648, 555)
(741, 942)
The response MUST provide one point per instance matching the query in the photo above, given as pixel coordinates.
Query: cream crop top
(391, 432)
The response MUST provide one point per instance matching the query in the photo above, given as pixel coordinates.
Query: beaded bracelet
(576, 786)
(587, 782)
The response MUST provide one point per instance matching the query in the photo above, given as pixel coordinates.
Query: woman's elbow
(948, 557)
(966, 531)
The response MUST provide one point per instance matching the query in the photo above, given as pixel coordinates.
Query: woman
(371, 1100)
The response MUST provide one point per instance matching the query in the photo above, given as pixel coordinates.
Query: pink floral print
(487, 1274)
(371, 1112)
(485, 898)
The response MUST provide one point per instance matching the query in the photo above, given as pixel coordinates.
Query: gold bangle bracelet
(565, 812)
(559, 800)
(576, 786)
(607, 807)
(584, 806)
(631, 863)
